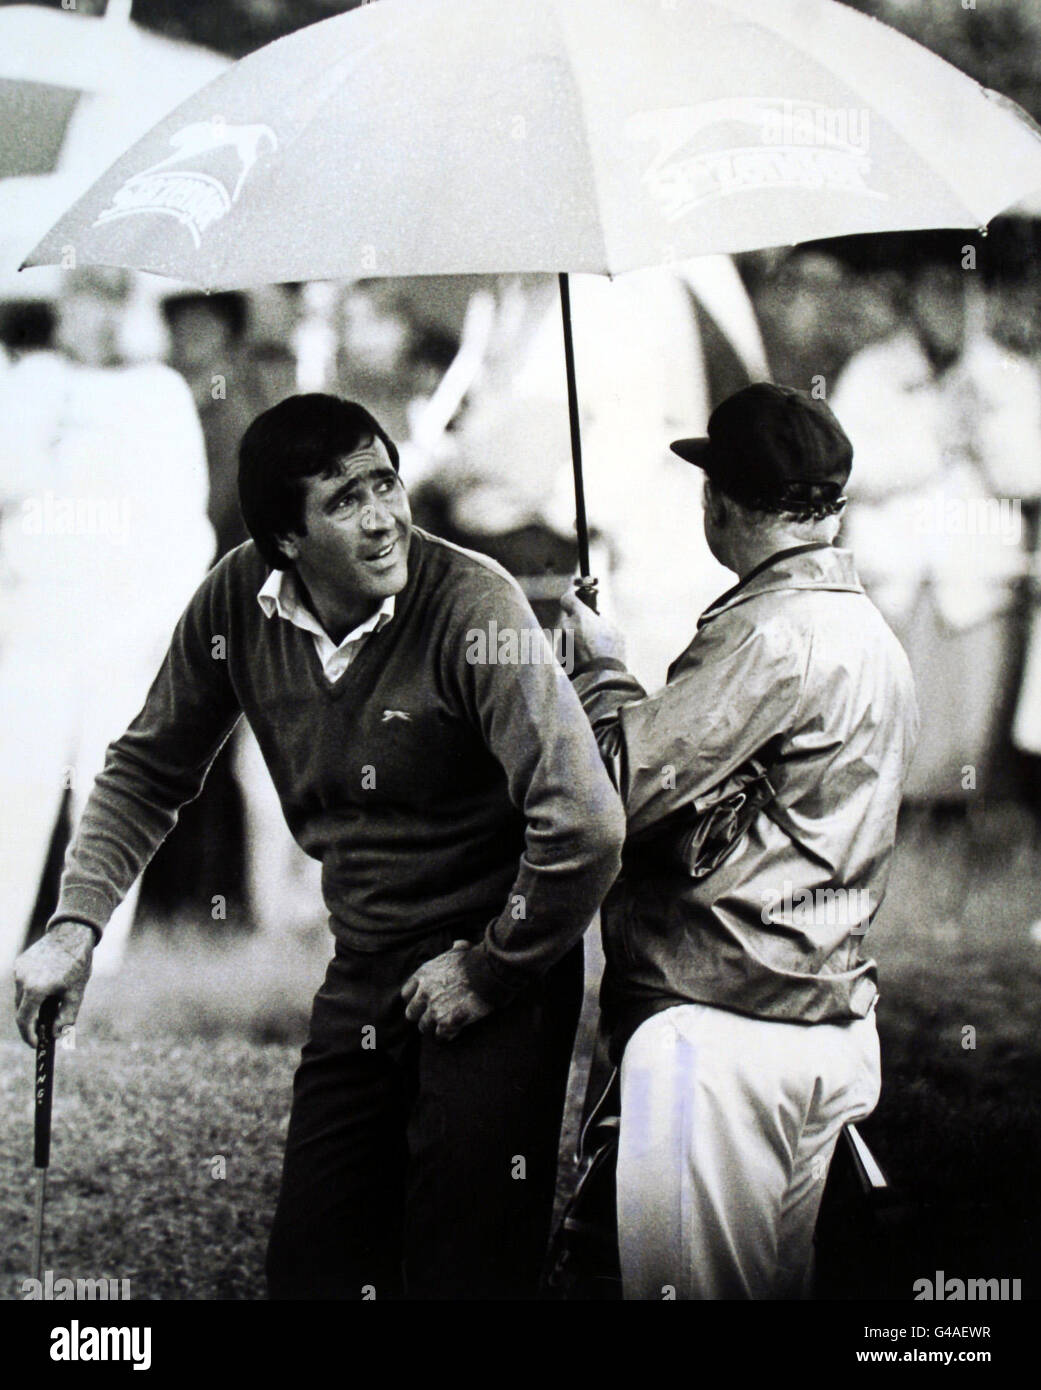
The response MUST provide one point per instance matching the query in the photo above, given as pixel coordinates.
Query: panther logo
(194, 198)
(734, 145)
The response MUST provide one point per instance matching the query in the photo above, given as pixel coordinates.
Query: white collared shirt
(279, 596)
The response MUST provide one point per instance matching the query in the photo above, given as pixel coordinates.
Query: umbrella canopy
(416, 137)
(421, 137)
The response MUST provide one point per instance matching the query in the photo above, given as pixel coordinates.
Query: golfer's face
(358, 525)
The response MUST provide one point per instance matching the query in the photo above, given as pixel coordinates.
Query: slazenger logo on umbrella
(801, 145)
(194, 198)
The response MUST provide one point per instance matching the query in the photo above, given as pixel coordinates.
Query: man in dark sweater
(467, 832)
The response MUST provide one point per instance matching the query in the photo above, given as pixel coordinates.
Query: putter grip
(44, 1087)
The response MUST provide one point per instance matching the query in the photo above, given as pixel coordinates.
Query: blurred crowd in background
(123, 400)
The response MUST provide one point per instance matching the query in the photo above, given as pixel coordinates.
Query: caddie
(736, 993)
(467, 831)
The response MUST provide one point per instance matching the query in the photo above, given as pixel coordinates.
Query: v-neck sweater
(438, 791)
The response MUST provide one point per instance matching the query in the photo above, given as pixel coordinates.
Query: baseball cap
(773, 446)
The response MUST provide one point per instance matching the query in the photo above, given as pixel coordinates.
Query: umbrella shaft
(576, 431)
(41, 1198)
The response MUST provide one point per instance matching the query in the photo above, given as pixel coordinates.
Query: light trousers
(728, 1127)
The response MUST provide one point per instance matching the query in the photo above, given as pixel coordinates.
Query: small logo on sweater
(389, 714)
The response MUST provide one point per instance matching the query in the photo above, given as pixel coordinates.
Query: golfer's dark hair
(301, 437)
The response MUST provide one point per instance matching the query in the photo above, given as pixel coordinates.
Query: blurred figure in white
(103, 538)
(1014, 319)
(946, 428)
(646, 346)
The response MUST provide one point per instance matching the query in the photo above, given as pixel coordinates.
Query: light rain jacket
(795, 667)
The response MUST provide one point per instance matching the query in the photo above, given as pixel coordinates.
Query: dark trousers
(417, 1168)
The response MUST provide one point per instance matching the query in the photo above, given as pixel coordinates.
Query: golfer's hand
(594, 635)
(439, 997)
(59, 963)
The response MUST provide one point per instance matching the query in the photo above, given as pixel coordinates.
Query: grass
(133, 1196)
(187, 1057)
(958, 1128)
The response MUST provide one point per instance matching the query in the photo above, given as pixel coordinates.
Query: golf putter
(43, 1091)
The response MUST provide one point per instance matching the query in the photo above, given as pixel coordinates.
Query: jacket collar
(814, 566)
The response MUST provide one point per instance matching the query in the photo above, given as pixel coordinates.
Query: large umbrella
(417, 137)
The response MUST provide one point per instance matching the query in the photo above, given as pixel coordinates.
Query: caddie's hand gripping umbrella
(423, 137)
